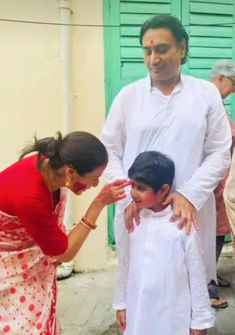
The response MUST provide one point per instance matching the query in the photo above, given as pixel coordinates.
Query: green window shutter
(210, 25)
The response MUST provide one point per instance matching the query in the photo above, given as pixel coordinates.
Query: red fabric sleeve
(39, 221)
(24, 193)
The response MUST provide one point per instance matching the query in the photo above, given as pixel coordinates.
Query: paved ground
(84, 303)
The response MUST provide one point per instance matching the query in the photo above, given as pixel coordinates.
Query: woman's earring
(68, 182)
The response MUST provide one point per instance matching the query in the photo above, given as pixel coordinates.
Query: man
(180, 116)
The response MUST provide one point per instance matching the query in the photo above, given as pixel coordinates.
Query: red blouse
(24, 193)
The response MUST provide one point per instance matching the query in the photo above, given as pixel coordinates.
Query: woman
(32, 240)
(222, 75)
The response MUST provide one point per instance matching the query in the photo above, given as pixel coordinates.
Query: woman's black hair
(168, 22)
(81, 150)
(153, 169)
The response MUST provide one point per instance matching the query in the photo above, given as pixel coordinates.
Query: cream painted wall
(89, 111)
(30, 89)
(30, 75)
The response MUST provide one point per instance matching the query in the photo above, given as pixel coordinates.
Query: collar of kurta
(179, 87)
(149, 212)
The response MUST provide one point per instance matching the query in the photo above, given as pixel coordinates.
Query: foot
(218, 303)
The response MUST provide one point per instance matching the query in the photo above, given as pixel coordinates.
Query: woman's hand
(184, 211)
(112, 192)
(121, 320)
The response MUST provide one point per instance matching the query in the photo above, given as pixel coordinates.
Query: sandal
(223, 282)
(218, 303)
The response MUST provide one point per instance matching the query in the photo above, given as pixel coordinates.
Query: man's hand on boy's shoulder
(198, 332)
(184, 211)
(131, 214)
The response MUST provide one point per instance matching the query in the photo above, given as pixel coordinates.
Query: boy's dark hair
(168, 22)
(153, 169)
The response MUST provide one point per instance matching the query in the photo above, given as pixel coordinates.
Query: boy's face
(145, 197)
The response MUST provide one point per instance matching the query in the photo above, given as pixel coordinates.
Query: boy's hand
(121, 320)
(198, 332)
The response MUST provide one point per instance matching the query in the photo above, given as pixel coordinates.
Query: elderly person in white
(180, 116)
(223, 76)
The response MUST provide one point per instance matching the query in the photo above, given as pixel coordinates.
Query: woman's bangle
(85, 225)
(88, 223)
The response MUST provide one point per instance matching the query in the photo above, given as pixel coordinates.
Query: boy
(162, 283)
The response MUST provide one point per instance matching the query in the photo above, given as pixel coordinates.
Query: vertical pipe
(65, 50)
(65, 269)
(65, 20)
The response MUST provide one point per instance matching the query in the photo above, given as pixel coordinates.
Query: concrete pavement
(84, 302)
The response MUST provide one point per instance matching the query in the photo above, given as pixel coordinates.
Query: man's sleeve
(202, 316)
(216, 156)
(114, 137)
(119, 302)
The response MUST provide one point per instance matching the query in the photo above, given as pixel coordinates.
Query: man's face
(162, 54)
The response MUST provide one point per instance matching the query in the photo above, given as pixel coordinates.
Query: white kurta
(190, 126)
(163, 282)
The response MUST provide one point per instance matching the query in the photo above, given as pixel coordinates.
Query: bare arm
(109, 194)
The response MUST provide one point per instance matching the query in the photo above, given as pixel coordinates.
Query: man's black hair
(168, 22)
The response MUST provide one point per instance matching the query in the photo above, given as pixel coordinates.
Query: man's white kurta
(190, 126)
(163, 283)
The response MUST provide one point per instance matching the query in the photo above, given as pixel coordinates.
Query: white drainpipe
(65, 50)
(65, 20)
